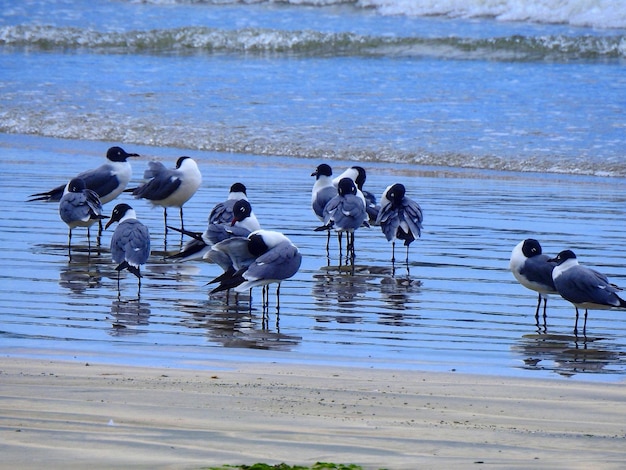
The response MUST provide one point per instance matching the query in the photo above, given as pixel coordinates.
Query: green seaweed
(284, 466)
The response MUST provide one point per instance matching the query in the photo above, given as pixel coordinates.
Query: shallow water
(457, 308)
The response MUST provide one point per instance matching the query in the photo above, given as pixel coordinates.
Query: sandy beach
(263, 393)
(79, 415)
(503, 120)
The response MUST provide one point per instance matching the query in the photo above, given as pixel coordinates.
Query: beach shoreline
(76, 414)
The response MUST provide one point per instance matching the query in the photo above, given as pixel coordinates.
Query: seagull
(358, 175)
(130, 244)
(400, 218)
(583, 287)
(222, 213)
(243, 222)
(264, 257)
(79, 207)
(533, 270)
(345, 213)
(323, 191)
(108, 180)
(170, 187)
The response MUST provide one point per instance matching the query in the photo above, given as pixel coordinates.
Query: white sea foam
(590, 13)
(306, 42)
(587, 13)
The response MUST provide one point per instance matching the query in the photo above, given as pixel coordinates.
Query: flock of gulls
(251, 256)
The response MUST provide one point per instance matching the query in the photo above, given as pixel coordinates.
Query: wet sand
(77, 415)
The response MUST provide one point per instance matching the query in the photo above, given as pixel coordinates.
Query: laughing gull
(400, 218)
(170, 187)
(79, 207)
(583, 287)
(323, 191)
(345, 213)
(130, 244)
(221, 215)
(243, 222)
(533, 270)
(358, 175)
(108, 180)
(264, 257)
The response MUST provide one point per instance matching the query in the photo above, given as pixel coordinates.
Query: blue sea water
(477, 105)
(370, 81)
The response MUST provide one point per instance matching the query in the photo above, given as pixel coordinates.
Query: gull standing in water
(583, 287)
(170, 187)
(232, 217)
(79, 207)
(107, 181)
(263, 258)
(400, 218)
(358, 175)
(345, 213)
(533, 270)
(223, 213)
(323, 191)
(130, 244)
(242, 223)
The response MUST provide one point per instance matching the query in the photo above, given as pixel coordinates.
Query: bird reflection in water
(338, 284)
(396, 291)
(239, 302)
(566, 355)
(128, 317)
(337, 289)
(80, 274)
(236, 325)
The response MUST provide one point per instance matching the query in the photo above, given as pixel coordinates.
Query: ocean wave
(607, 14)
(314, 43)
(587, 13)
(213, 137)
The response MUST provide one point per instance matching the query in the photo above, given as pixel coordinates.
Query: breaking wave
(313, 43)
(212, 137)
(605, 14)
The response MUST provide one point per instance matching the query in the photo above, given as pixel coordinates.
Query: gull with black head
(533, 270)
(79, 207)
(262, 258)
(583, 286)
(242, 223)
(359, 176)
(323, 191)
(170, 187)
(345, 213)
(130, 243)
(400, 218)
(108, 180)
